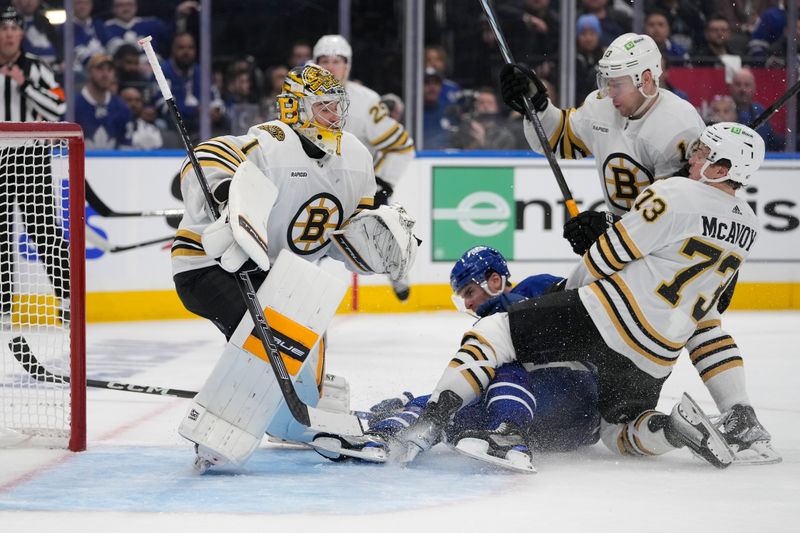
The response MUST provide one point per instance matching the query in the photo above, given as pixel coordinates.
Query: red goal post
(42, 283)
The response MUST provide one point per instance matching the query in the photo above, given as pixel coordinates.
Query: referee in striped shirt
(29, 92)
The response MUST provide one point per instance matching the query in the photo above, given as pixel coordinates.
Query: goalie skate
(690, 426)
(503, 447)
(339, 448)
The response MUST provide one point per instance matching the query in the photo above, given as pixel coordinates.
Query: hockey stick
(531, 115)
(104, 210)
(308, 416)
(23, 353)
(94, 238)
(763, 117)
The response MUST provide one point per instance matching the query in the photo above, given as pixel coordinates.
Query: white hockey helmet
(315, 105)
(333, 45)
(630, 54)
(739, 144)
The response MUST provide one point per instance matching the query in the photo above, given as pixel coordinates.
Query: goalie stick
(304, 414)
(776, 105)
(104, 210)
(531, 115)
(22, 352)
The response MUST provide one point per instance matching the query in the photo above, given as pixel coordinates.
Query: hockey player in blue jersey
(550, 407)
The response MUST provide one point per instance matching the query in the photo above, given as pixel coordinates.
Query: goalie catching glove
(240, 233)
(378, 241)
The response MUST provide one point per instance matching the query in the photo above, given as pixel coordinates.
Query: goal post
(42, 282)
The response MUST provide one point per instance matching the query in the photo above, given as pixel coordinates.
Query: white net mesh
(34, 290)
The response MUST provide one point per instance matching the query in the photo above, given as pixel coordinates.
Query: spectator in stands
(613, 21)
(721, 109)
(483, 127)
(240, 96)
(105, 118)
(436, 124)
(40, 36)
(664, 83)
(742, 17)
(300, 54)
(90, 34)
(130, 71)
(743, 89)
(145, 134)
(126, 27)
(686, 20)
(436, 59)
(183, 74)
(777, 52)
(587, 55)
(656, 26)
(533, 29)
(767, 32)
(717, 34)
(275, 75)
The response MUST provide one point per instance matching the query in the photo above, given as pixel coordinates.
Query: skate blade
(333, 445)
(759, 453)
(478, 449)
(288, 444)
(719, 453)
(201, 465)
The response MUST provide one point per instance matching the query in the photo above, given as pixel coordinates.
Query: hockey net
(42, 285)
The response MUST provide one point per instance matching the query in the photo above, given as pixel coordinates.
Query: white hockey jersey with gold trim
(629, 154)
(657, 273)
(315, 196)
(391, 146)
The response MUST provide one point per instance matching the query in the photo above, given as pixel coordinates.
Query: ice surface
(137, 472)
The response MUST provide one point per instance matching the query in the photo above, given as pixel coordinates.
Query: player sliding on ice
(303, 188)
(524, 409)
(628, 308)
(639, 133)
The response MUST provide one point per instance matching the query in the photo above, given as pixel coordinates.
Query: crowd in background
(119, 105)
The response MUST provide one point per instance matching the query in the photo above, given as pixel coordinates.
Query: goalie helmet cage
(42, 282)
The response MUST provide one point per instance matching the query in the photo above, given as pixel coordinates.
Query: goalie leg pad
(232, 411)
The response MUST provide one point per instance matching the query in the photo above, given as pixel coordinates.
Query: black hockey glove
(518, 82)
(383, 193)
(582, 230)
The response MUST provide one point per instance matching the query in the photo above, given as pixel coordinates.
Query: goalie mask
(315, 105)
(736, 143)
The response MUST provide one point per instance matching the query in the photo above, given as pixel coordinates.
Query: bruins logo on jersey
(273, 130)
(309, 229)
(624, 179)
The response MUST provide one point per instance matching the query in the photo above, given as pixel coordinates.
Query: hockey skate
(748, 439)
(205, 459)
(689, 426)
(370, 448)
(504, 447)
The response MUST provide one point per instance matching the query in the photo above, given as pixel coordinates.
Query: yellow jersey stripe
(473, 381)
(591, 266)
(627, 243)
(713, 323)
(734, 362)
(216, 150)
(608, 253)
(725, 342)
(188, 234)
(476, 336)
(185, 252)
(559, 130)
(624, 334)
(386, 135)
(208, 163)
(235, 149)
(400, 150)
(627, 295)
(476, 352)
(247, 148)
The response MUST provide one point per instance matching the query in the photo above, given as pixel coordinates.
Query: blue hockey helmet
(476, 265)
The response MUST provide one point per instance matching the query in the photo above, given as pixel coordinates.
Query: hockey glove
(498, 304)
(218, 243)
(383, 193)
(518, 82)
(583, 230)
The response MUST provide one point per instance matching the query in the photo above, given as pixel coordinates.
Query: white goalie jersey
(655, 276)
(629, 154)
(315, 196)
(391, 146)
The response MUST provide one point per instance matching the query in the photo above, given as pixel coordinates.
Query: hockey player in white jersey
(391, 146)
(637, 133)
(640, 292)
(297, 184)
